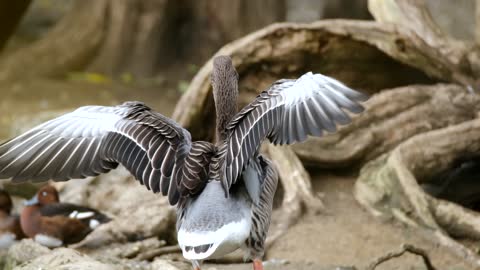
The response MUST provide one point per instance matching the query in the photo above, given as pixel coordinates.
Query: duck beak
(32, 201)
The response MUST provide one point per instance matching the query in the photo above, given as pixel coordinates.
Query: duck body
(223, 190)
(10, 229)
(54, 224)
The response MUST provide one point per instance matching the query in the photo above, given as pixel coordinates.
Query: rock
(167, 265)
(65, 258)
(27, 255)
(26, 250)
(129, 250)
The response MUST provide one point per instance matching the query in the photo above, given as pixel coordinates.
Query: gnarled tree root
(390, 185)
(391, 117)
(413, 16)
(397, 253)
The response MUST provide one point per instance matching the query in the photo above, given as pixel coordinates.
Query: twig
(149, 255)
(395, 254)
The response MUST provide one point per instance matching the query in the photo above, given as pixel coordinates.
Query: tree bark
(11, 13)
(477, 21)
(391, 117)
(70, 45)
(215, 22)
(141, 37)
(390, 185)
(413, 16)
(135, 36)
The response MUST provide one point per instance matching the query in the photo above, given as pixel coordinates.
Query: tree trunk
(70, 45)
(214, 23)
(150, 35)
(11, 13)
(477, 21)
(140, 37)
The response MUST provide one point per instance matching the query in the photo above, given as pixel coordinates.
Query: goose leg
(257, 264)
(196, 265)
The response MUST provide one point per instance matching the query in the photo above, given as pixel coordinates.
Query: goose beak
(32, 201)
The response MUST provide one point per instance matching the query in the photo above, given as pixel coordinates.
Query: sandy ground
(347, 236)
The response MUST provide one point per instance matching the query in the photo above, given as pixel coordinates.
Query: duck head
(46, 195)
(224, 81)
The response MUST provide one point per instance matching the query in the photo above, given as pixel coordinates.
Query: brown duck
(10, 229)
(52, 223)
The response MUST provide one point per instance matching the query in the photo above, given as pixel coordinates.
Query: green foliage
(182, 86)
(127, 77)
(96, 78)
(192, 69)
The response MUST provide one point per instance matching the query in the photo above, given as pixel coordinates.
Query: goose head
(46, 195)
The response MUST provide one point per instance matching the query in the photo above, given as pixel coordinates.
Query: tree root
(390, 185)
(413, 16)
(397, 253)
(390, 118)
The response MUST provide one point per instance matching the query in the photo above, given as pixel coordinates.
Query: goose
(223, 191)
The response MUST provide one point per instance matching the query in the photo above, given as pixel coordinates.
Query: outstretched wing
(286, 113)
(94, 139)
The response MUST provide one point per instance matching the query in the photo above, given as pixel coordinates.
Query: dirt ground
(348, 236)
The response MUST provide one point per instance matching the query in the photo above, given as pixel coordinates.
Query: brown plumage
(53, 224)
(225, 93)
(10, 229)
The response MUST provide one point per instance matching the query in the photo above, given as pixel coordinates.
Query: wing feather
(287, 112)
(95, 139)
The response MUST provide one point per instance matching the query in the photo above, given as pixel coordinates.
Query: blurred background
(57, 55)
(60, 54)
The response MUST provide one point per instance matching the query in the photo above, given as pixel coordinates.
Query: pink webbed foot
(257, 264)
(196, 265)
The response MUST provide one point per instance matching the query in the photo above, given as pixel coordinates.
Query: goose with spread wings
(223, 191)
